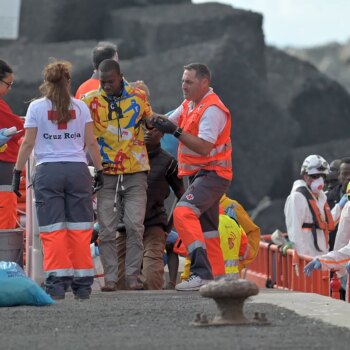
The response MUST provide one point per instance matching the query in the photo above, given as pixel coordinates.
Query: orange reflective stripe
(332, 262)
(8, 210)
(214, 152)
(215, 256)
(187, 225)
(190, 232)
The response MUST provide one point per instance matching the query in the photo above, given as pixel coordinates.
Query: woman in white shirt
(58, 127)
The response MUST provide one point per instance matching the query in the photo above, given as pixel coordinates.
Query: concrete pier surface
(160, 320)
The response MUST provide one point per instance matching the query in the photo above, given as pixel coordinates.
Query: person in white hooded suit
(308, 217)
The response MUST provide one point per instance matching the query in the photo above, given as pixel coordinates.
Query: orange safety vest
(219, 158)
(319, 222)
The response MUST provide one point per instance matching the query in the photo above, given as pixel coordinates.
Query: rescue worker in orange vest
(203, 125)
(308, 217)
(8, 151)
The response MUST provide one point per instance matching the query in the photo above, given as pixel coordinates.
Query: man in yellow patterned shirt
(118, 110)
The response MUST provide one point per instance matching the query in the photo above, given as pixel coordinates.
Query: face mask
(317, 185)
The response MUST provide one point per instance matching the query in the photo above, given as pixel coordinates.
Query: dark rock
(157, 29)
(29, 60)
(45, 21)
(257, 124)
(320, 106)
(333, 59)
(278, 103)
(272, 216)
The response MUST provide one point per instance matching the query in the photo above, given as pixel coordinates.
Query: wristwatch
(178, 132)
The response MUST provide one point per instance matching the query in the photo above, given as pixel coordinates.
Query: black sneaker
(81, 297)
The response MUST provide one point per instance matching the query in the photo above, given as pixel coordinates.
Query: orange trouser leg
(215, 256)
(56, 257)
(79, 252)
(8, 210)
(189, 228)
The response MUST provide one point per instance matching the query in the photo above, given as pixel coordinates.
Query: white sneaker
(193, 283)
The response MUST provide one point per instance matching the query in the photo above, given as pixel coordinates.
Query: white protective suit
(337, 259)
(297, 212)
(343, 234)
(342, 243)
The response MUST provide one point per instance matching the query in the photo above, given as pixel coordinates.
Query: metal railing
(273, 268)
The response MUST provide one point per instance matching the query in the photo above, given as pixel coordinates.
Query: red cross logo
(52, 115)
(190, 197)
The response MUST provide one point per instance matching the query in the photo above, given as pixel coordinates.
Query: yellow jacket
(234, 243)
(117, 127)
(234, 246)
(252, 230)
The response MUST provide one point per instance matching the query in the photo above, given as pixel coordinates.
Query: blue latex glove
(230, 211)
(348, 267)
(172, 237)
(343, 200)
(3, 139)
(314, 264)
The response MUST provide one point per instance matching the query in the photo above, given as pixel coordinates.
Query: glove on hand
(348, 267)
(230, 211)
(164, 125)
(314, 264)
(16, 180)
(172, 237)
(3, 139)
(284, 249)
(98, 178)
(343, 201)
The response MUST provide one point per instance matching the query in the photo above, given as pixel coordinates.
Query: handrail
(274, 269)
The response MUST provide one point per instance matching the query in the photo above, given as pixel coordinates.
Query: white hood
(297, 184)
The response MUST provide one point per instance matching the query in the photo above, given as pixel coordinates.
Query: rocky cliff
(282, 108)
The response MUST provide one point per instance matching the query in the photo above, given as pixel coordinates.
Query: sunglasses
(316, 176)
(8, 84)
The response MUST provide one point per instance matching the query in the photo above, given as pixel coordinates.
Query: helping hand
(314, 264)
(230, 211)
(343, 200)
(172, 237)
(164, 125)
(286, 247)
(98, 178)
(3, 139)
(16, 180)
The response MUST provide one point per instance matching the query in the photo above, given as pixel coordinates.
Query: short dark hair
(5, 69)
(202, 71)
(108, 65)
(103, 51)
(345, 160)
